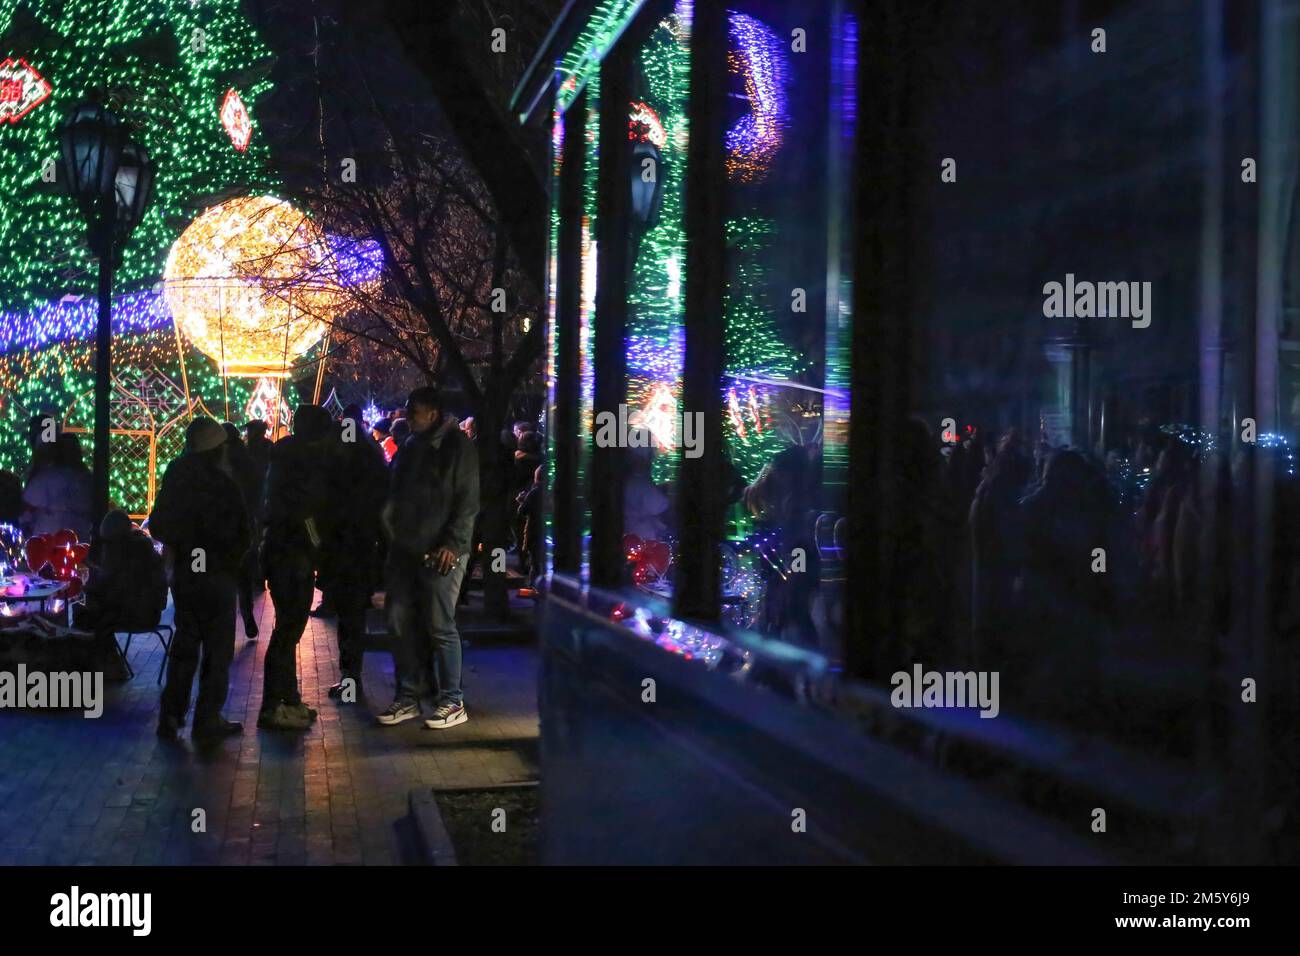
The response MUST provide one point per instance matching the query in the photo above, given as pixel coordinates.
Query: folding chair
(164, 634)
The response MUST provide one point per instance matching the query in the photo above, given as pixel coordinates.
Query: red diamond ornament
(235, 119)
(22, 89)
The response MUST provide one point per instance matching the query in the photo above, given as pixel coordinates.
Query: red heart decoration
(38, 550)
(63, 538)
(632, 545)
(643, 573)
(80, 552)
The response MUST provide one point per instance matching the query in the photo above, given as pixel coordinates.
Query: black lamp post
(111, 179)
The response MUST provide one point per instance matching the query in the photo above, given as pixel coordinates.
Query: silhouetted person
(997, 542)
(60, 491)
(127, 590)
(11, 498)
(296, 513)
(350, 551)
(239, 465)
(199, 515)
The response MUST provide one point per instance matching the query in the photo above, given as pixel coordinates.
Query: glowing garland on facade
(22, 89)
(236, 121)
(758, 57)
(167, 65)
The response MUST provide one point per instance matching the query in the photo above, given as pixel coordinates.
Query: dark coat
(358, 486)
(128, 584)
(259, 450)
(434, 493)
(200, 506)
(298, 492)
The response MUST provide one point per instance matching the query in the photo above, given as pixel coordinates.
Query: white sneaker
(398, 713)
(447, 715)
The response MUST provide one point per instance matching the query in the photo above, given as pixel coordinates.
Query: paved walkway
(107, 791)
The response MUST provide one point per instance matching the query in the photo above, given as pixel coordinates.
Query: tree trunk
(494, 508)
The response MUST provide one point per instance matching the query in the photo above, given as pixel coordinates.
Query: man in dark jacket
(429, 520)
(199, 515)
(350, 551)
(296, 514)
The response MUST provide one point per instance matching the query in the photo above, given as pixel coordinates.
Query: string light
(758, 57)
(236, 121)
(245, 284)
(172, 104)
(22, 89)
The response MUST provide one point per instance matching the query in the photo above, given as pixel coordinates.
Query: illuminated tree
(185, 77)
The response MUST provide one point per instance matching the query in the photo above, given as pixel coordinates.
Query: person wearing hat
(199, 516)
(382, 433)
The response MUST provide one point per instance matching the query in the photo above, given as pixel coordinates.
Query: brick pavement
(107, 791)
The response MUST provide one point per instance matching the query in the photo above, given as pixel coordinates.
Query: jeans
(205, 624)
(421, 606)
(291, 574)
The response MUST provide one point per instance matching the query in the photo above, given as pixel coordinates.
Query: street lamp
(647, 184)
(111, 179)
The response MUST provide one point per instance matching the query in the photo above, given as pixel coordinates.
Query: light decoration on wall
(22, 89)
(46, 333)
(754, 343)
(254, 284)
(171, 104)
(659, 416)
(581, 64)
(267, 404)
(236, 121)
(245, 284)
(643, 125)
(758, 57)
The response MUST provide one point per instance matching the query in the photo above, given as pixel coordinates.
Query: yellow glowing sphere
(249, 284)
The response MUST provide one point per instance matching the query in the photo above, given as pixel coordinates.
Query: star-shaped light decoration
(235, 120)
(22, 89)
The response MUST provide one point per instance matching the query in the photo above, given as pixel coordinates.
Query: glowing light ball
(254, 283)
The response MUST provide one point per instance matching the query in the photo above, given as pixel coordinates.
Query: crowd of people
(1048, 561)
(333, 505)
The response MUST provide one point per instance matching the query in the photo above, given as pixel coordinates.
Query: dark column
(103, 373)
(888, 156)
(702, 485)
(613, 206)
(565, 507)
